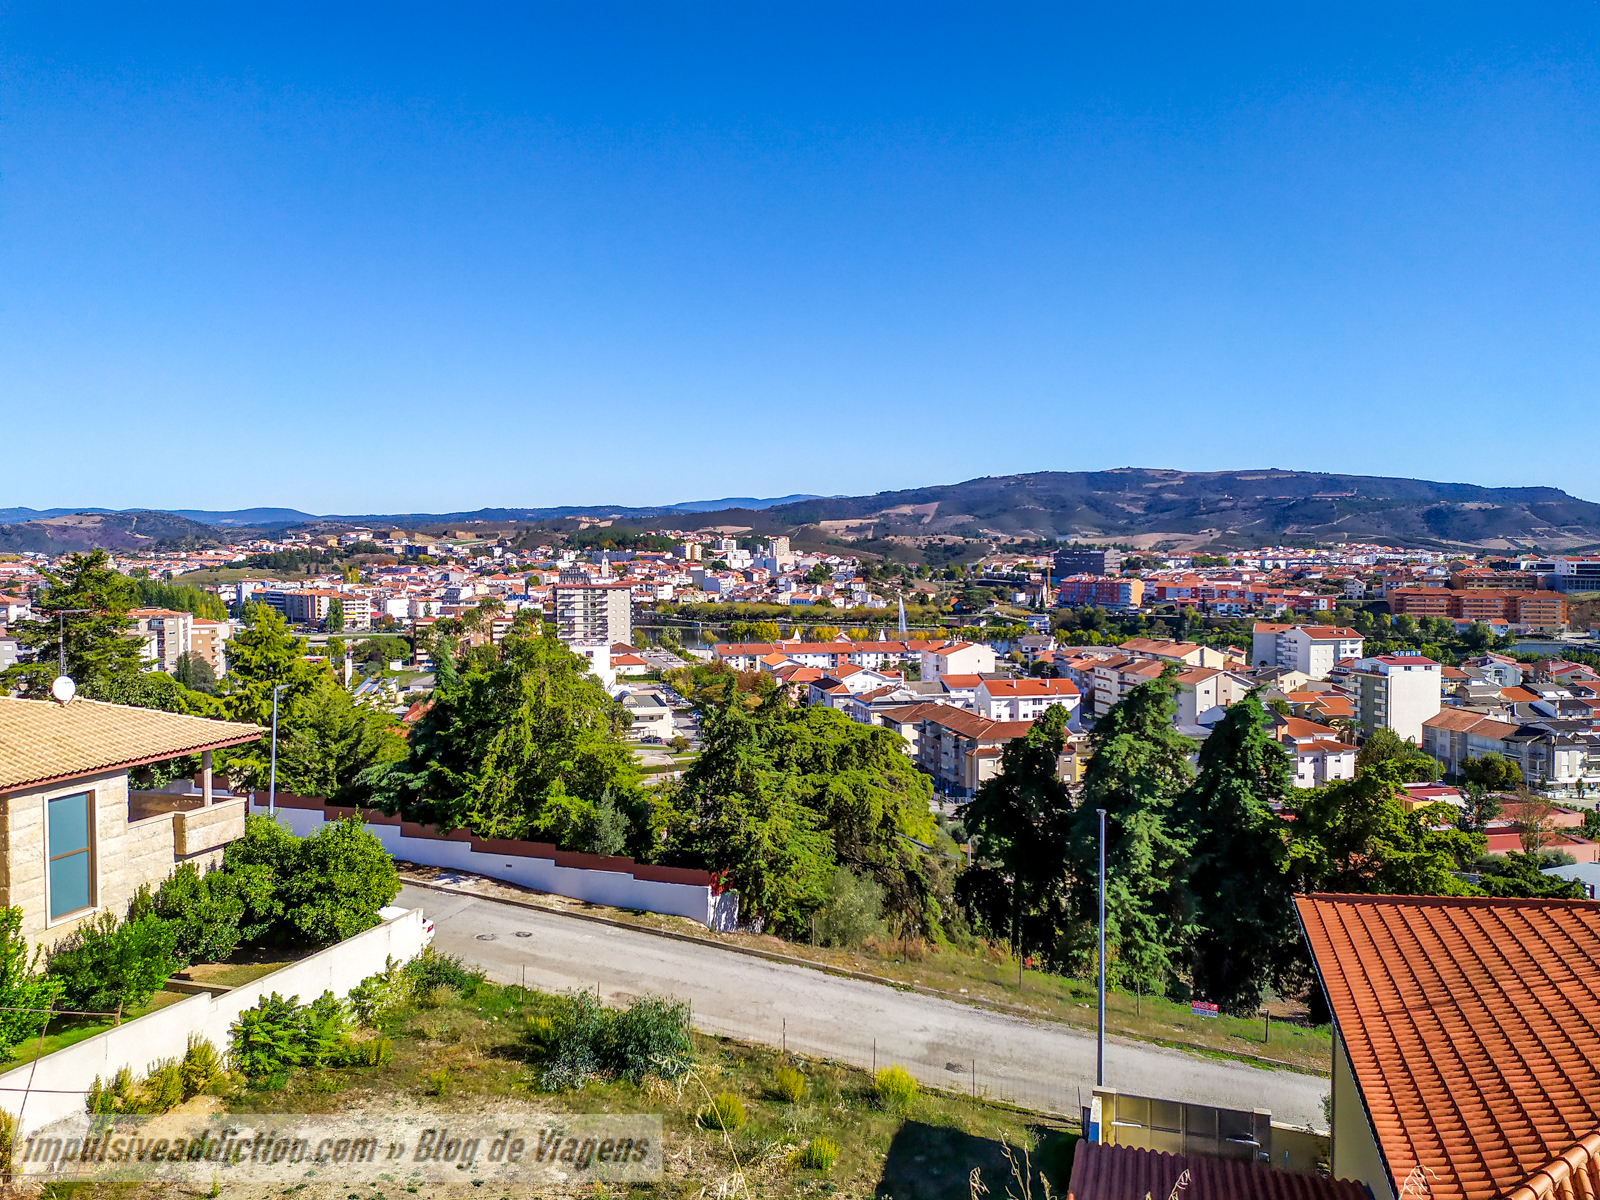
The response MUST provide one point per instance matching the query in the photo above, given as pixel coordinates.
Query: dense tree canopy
(523, 743)
(780, 795)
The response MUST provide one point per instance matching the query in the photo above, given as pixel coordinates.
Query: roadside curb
(1013, 1010)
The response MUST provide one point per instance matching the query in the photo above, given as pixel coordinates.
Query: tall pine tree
(1236, 878)
(1140, 765)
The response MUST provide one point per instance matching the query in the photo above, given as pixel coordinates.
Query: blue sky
(390, 258)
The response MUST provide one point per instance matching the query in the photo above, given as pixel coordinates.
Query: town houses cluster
(959, 694)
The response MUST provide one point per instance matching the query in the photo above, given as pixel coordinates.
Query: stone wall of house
(126, 854)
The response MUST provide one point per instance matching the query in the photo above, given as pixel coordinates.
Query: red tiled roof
(1472, 1026)
(1101, 1172)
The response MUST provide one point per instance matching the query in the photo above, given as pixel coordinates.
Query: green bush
(375, 1052)
(278, 1035)
(788, 1085)
(853, 912)
(587, 1040)
(202, 1066)
(267, 1040)
(725, 1112)
(896, 1088)
(163, 1085)
(23, 987)
(439, 1082)
(105, 964)
(309, 891)
(205, 909)
(819, 1154)
(430, 969)
(379, 996)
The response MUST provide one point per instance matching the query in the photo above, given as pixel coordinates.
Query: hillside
(101, 530)
(1193, 509)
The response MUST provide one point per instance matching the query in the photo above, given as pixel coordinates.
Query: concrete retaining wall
(56, 1087)
(618, 882)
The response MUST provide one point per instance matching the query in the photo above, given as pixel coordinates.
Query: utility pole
(1100, 1027)
(272, 783)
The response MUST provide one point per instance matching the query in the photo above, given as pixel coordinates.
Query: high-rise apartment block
(1398, 692)
(1088, 562)
(594, 612)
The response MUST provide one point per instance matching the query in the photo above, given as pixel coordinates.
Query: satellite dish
(63, 689)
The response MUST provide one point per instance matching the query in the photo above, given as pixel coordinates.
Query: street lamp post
(1100, 1028)
(272, 780)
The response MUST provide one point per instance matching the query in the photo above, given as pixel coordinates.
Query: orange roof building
(1466, 1057)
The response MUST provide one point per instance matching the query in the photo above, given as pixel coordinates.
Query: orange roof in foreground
(1473, 1029)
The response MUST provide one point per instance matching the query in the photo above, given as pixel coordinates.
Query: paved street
(1038, 1064)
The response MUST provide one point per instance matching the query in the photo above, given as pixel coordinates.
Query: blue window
(68, 821)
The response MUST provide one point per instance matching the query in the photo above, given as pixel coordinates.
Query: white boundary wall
(63, 1078)
(618, 889)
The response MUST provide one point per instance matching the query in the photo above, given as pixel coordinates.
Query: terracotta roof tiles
(44, 742)
(1472, 1026)
(1102, 1172)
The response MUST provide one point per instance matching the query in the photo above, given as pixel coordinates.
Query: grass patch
(69, 1031)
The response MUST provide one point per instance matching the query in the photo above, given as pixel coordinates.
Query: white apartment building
(1396, 691)
(1201, 689)
(1310, 649)
(1026, 699)
(957, 658)
(594, 612)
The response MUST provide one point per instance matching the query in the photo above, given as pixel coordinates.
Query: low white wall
(61, 1080)
(719, 911)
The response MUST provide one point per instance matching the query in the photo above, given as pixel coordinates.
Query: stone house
(74, 838)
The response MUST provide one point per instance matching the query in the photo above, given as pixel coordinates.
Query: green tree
(1521, 876)
(99, 648)
(1355, 836)
(1492, 772)
(151, 593)
(1019, 823)
(1139, 768)
(326, 741)
(1246, 936)
(738, 812)
(1397, 760)
(520, 744)
(335, 620)
(195, 673)
(26, 993)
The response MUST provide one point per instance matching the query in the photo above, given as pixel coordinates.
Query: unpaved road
(1037, 1064)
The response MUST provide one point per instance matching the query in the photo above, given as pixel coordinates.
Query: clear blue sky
(358, 259)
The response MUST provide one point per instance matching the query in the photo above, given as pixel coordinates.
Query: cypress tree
(1140, 766)
(1237, 885)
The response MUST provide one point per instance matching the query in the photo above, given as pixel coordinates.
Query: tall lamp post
(1100, 1028)
(272, 780)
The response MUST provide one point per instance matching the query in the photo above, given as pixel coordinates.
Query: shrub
(379, 996)
(376, 1052)
(725, 1112)
(267, 1040)
(587, 1040)
(205, 910)
(789, 1085)
(325, 1026)
(163, 1085)
(819, 1154)
(343, 876)
(22, 985)
(439, 1082)
(316, 890)
(430, 969)
(202, 1065)
(853, 912)
(8, 1141)
(106, 964)
(896, 1088)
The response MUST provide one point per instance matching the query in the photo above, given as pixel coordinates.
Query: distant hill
(1211, 508)
(69, 532)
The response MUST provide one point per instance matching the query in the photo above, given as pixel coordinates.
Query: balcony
(196, 826)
